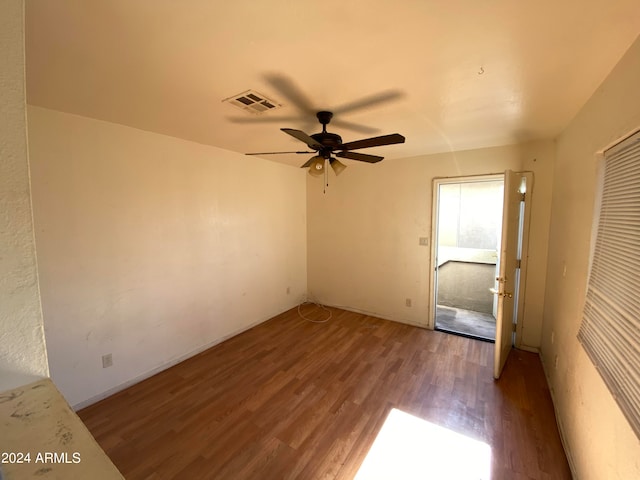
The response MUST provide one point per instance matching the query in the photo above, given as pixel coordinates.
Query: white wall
(22, 348)
(152, 247)
(600, 442)
(363, 250)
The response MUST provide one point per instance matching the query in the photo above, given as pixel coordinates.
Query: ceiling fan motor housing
(329, 142)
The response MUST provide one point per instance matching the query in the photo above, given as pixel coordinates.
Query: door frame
(436, 182)
(524, 260)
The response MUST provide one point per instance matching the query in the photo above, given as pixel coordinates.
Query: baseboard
(527, 348)
(169, 364)
(563, 438)
(377, 315)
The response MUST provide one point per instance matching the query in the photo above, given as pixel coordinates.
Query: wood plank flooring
(293, 399)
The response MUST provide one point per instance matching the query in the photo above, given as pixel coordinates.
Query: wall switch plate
(288, 290)
(107, 360)
(407, 302)
(424, 241)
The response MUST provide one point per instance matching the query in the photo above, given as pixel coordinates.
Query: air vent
(253, 102)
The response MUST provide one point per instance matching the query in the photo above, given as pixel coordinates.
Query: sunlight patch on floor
(409, 448)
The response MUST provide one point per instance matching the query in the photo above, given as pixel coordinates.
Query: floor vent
(253, 102)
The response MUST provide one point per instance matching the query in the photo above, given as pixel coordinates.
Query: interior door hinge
(518, 263)
(514, 327)
(523, 196)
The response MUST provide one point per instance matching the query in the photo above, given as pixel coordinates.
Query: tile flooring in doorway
(466, 322)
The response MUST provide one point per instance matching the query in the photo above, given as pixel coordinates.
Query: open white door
(508, 266)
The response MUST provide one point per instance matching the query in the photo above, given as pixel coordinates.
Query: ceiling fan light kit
(337, 166)
(316, 168)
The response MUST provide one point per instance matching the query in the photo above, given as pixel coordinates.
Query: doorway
(467, 241)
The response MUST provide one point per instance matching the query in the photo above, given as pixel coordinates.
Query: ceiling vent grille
(253, 102)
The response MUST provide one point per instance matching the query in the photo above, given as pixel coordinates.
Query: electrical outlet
(107, 360)
(424, 241)
(407, 302)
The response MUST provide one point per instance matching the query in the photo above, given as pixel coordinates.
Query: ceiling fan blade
(290, 91)
(274, 153)
(373, 142)
(262, 119)
(369, 101)
(303, 137)
(355, 127)
(361, 157)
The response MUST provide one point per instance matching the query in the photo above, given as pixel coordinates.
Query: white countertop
(36, 420)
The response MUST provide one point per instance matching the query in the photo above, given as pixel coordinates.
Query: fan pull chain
(326, 176)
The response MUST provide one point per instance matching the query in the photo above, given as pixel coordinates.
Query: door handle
(501, 294)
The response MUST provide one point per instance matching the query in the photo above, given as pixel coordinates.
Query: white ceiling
(471, 73)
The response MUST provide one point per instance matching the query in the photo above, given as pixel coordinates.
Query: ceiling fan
(326, 145)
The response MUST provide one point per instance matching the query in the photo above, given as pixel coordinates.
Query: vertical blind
(610, 329)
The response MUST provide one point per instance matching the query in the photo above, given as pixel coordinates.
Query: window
(610, 329)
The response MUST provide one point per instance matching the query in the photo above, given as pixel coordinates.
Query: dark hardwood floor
(294, 399)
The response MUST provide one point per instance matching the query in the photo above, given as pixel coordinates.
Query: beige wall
(601, 444)
(152, 248)
(22, 348)
(466, 285)
(363, 250)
